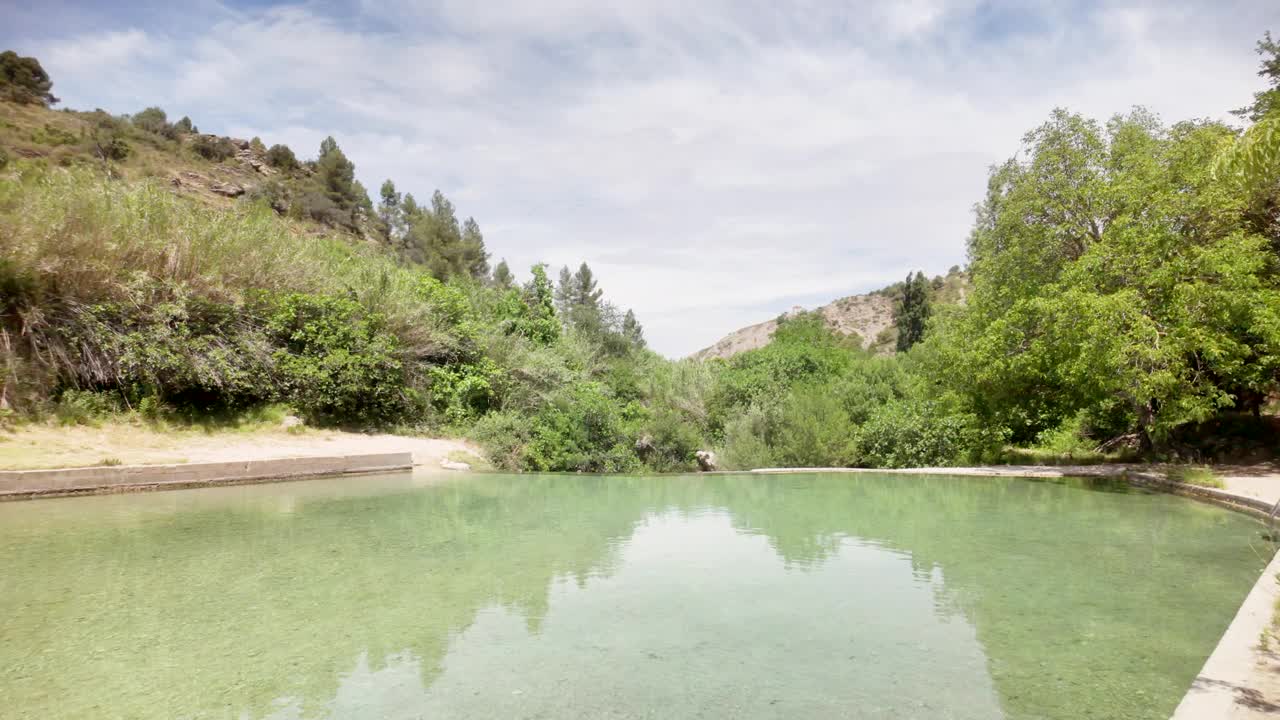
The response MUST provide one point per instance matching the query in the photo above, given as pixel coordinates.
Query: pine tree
(502, 277)
(389, 212)
(632, 331)
(564, 293)
(913, 311)
(475, 259)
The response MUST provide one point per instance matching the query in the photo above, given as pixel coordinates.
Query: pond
(527, 596)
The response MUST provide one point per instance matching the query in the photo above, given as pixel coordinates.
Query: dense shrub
(337, 362)
(213, 148)
(282, 158)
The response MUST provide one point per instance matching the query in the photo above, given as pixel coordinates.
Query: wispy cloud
(716, 162)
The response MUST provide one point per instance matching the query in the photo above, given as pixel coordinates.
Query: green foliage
(1115, 276)
(51, 134)
(23, 80)
(282, 158)
(919, 434)
(152, 120)
(913, 311)
(337, 362)
(86, 407)
(803, 350)
(213, 148)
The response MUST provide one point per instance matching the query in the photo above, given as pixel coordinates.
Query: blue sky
(716, 162)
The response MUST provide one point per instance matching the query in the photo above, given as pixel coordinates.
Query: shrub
(282, 158)
(152, 120)
(337, 362)
(86, 407)
(213, 148)
(53, 135)
(746, 443)
(814, 430)
(917, 434)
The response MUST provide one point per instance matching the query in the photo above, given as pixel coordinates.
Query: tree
(185, 126)
(564, 293)
(541, 325)
(1115, 278)
(279, 157)
(23, 80)
(913, 311)
(632, 331)
(502, 277)
(152, 120)
(1255, 156)
(475, 259)
(335, 198)
(389, 211)
(1266, 101)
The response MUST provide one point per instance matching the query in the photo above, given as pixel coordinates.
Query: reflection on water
(567, 596)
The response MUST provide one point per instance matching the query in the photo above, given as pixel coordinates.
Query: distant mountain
(870, 317)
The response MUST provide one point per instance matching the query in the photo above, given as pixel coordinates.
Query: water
(492, 596)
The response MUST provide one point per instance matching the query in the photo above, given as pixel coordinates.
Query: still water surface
(502, 596)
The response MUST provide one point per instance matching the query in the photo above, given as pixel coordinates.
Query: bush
(152, 120)
(337, 363)
(917, 434)
(282, 158)
(213, 148)
(53, 135)
(746, 444)
(814, 430)
(86, 407)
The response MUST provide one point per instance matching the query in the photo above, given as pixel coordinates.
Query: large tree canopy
(1115, 276)
(23, 80)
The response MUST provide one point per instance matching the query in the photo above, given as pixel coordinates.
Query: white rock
(448, 464)
(291, 421)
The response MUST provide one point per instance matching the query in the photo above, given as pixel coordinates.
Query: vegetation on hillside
(1123, 296)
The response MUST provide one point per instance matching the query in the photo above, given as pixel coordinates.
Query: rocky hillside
(869, 317)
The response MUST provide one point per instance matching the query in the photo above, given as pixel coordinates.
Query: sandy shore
(37, 446)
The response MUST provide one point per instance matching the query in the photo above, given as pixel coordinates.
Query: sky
(716, 162)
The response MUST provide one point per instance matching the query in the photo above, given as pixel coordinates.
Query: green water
(492, 596)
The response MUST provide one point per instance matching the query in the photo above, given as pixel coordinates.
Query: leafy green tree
(912, 311)
(185, 126)
(1114, 275)
(23, 80)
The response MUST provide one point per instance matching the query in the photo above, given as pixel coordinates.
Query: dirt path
(39, 446)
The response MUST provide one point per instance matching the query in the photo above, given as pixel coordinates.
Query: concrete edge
(1228, 674)
(27, 484)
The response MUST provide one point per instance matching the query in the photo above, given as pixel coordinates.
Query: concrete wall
(31, 483)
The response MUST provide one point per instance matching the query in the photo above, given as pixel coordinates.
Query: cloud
(715, 162)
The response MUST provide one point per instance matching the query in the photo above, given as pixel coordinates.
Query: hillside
(870, 317)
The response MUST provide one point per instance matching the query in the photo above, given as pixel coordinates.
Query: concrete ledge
(20, 484)
(1227, 678)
